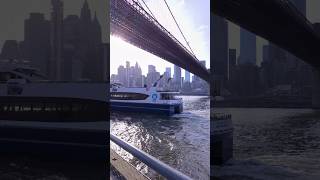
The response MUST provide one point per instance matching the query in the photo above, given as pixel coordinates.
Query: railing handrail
(160, 167)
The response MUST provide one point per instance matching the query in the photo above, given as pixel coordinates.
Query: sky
(313, 15)
(193, 18)
(14, 12)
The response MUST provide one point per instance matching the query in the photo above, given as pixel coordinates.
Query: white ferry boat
(54, 118)
(26, 95)
(148, 100)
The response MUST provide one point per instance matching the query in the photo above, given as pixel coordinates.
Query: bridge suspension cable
(148, 9)
(178, 27)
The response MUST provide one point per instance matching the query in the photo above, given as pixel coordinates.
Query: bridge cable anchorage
(179, 27)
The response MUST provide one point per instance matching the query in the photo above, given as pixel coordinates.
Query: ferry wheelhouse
(148, 100)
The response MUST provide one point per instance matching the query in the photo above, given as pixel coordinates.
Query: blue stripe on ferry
(145, 107)
(144, 104)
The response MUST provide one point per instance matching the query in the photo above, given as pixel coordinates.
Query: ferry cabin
(143, 100)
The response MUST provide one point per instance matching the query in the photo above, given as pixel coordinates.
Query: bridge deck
(277, 21)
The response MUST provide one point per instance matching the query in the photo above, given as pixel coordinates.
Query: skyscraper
(90, 37)
(37, 41)
(219, 46)
(168, 72)
(177, 76)
(56, 41)
(265, 53)
(232, 62)
(85, 14)
(151, 68)
(72, 66)
(152, 75)
(248, 48)
(122, 75)
(10, 50)
(137, 74)
(187, 76)
(232, 57)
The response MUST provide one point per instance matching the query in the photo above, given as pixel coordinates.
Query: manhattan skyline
(14, 12)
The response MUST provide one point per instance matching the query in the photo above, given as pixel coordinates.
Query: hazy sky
(14, 12)
(313, 15)
(194, 20)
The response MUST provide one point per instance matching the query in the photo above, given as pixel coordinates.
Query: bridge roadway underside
(277, 21)
(136, 28)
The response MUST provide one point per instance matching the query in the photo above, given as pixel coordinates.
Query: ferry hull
(165, 109)
(53, 141)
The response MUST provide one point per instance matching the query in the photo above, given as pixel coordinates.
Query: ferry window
(128, 96)
(37, 107)
(27, 108)
(50, 107)
(16, 108)
(167, 97)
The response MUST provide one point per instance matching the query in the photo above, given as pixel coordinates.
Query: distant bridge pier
(316, 89)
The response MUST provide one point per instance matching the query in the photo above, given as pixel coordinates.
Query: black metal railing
(160, 167)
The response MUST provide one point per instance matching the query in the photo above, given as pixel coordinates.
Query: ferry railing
(160, 167)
